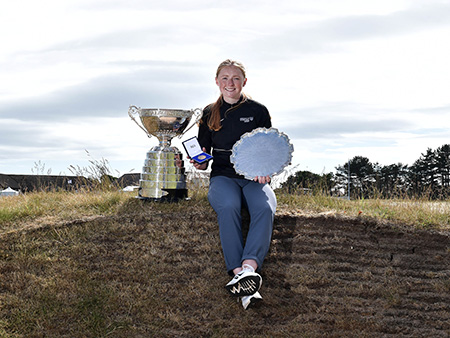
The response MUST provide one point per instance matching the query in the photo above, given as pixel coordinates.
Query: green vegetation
(411, 212)
(428, 177)
(68, 206)
(62, 205)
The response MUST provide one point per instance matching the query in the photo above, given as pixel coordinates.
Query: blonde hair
(228, 63)
(214, 116)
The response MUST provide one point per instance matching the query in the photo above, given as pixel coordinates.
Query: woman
(222, 124)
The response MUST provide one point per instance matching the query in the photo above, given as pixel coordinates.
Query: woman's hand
(200, 166)
(262, 179)
(178, 161)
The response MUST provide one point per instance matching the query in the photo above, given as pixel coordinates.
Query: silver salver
(162, 178)
(261, 152)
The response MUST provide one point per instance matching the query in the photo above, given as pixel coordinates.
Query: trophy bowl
(161, 177)
(164, 123)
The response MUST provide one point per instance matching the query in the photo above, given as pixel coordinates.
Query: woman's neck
(232, 102)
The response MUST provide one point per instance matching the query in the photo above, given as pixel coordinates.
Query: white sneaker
(245, 283)
(252, 300)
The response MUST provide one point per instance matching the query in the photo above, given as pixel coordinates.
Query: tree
(443, 167)
(392, 180)
(358, 175)
(423, 175)
(428, 176)
(308, 180)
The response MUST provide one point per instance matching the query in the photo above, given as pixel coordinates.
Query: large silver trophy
(161, 177)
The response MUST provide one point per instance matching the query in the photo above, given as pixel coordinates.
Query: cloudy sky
(342, 78)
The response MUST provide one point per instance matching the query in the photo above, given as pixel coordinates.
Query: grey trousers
(227, 196)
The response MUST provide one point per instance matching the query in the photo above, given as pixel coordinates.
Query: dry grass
(34, 209)
(66, 206)
(410, 212)
(107, 265)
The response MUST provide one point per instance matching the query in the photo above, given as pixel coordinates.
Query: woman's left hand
(178, 161)
(262, 179)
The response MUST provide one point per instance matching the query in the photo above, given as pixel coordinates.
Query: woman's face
(231, 81)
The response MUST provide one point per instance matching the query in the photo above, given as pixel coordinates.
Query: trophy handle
(198, 113)
(133, 110)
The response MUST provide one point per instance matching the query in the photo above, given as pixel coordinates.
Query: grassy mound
(104, 264)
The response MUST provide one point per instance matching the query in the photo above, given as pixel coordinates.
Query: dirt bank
(351, 276)
(148, 272)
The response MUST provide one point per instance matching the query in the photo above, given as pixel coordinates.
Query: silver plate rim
(287, 161)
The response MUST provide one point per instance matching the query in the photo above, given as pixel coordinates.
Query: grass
(415, 213)
(60, 206)
(104, 264)
(67, 206)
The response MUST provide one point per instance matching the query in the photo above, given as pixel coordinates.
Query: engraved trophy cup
(161, 178)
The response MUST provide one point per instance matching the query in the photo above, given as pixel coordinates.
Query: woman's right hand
(200, 166)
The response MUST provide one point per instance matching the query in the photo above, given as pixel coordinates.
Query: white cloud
(343, 79)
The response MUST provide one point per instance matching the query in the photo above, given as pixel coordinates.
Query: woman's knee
(261, 208)
(223, 195)
(230, 204)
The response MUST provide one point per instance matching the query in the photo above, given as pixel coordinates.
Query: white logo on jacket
(246, 119)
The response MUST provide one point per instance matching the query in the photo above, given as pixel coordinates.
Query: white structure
(8, 192)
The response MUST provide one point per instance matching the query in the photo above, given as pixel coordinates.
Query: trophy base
(162, 179)
(173, 195)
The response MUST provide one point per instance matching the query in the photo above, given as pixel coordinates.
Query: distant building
(27, 183)
(131, 179)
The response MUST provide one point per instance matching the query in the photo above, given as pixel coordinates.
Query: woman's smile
(231, 80)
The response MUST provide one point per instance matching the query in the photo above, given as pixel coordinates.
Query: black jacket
(236, 120)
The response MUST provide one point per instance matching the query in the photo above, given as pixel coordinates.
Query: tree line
(428, 176)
